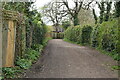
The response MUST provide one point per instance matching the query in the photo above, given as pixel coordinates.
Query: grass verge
(113, 55)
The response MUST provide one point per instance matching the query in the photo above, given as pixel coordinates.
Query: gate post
(0, 35)
(9, 61)
(8, 38)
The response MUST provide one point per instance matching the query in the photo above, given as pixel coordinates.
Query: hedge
(103, 36)
(39, 34)
(73, 34)
(79, 34)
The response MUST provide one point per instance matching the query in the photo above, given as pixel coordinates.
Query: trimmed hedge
(73, 34)
(79, 34)
(86, 34)
(103, 36)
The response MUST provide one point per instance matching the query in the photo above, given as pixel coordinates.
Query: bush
(24, 63)
(37, 47)
(94, 36)
(29, 57)
(79, 34)
(31, 54)
(105, 36)
(10, 72)
(45, 41)
(39, 34)
(86, 34)
(73, 34)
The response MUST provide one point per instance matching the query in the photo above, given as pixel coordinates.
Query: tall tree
(105, 8)
(95, 16)
(74, 11)
(108, 8)
(53, 12)
(101, 6)
(117, 9)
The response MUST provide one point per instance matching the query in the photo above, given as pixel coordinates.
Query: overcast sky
(41, 3)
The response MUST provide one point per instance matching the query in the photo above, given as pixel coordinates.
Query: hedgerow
(73, 34)
(105, 36)
(79, 34)
(102, 36)
(86, 34)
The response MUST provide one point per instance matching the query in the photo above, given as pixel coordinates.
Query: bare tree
(53, 11)
(74, 11)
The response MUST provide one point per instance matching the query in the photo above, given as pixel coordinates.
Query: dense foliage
(79, 34)
(30, 56)
(66, 24)
(30, 36)
(103, 36)
(86, 34)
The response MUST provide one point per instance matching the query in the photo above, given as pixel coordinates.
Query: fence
(57, 35)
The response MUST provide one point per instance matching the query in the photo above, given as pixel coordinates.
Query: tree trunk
(117, 9)
(108, 11)
(95, 16)
(102, 9)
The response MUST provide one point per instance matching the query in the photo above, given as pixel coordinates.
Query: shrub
(45, 41)
(10, 72)
(73, 34)
(86, 34)
(37, 47)
(39, 34)
(105, 36)
(24, 63)
(31, 54)
(94, 36)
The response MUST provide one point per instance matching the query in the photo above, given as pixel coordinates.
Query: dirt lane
(65, 60)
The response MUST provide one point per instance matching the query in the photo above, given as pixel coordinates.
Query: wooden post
(9, 60)
(0, 35)
(9, 19)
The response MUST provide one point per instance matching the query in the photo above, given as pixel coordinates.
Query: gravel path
(65, 60)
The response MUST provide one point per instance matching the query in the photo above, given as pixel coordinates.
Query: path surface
(65, 60)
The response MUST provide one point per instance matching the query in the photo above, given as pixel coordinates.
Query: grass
(116, 67)
(112, 54)
(71, 41)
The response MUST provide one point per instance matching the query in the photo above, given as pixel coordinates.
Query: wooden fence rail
(57, 35)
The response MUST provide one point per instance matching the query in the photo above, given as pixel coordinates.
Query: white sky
(40, 3)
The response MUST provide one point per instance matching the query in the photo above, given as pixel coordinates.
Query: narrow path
(65, 60)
